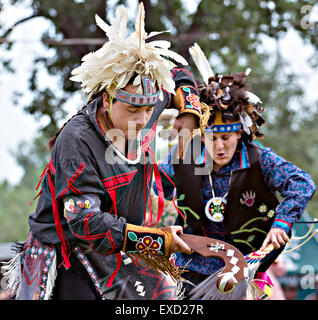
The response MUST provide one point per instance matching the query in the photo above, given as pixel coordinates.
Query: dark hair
(246, 138)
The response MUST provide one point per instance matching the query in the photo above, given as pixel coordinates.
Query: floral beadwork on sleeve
(149, 241)
(146, 244)
(97, 230)
(152, 247)
(187, 100)
(70, 206)
(74, 205)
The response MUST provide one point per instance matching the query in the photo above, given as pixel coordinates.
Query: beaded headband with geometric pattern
(148, 98)
(220, 126)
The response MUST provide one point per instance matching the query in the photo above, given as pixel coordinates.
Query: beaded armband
(151, 246)
(149, 241)
(187, 100)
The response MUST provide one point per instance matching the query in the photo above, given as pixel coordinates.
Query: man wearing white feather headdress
(235, 201)
(88, 231)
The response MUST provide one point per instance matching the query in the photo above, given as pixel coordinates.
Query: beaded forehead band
(148, 98)
(219, 126)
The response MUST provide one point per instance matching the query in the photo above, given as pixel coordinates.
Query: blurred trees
(15, 208)
(230, 32)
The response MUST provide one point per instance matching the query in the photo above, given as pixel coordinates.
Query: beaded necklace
(215, 207)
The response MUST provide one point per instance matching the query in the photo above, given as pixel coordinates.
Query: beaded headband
(220, 126)
(148, 98)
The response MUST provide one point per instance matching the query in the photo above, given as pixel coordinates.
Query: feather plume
(253, 98)
(112, 66)
(248, 71)
(155, 33)
(246, 122)
(140, 26)
(164, 44)
(229, 92)
(201, 62)
(101, 23)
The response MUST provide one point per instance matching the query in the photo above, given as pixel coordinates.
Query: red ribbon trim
(112, 277)
(174, 197)
(57, 221)
(71, 181)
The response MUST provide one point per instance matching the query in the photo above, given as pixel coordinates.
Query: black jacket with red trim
(88, 201)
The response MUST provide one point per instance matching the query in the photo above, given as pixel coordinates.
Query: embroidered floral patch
(146, 245)
(81, 204)
(263, 209)
(74, 205)
(70, 206)
(87, 204)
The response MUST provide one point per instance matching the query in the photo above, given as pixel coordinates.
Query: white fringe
(51, 280)
(180, 291)
(12, 275)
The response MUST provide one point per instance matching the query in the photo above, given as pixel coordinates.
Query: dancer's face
(126, 117)
(223, 147)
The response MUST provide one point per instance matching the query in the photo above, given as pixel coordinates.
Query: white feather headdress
(201, 62)
(112, 66)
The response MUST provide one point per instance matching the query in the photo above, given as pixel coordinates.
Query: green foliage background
(229, 32)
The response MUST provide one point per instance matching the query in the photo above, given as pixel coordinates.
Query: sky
(17, 126)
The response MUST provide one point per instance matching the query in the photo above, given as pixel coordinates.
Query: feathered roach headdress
(113, 65)
(228, 98)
